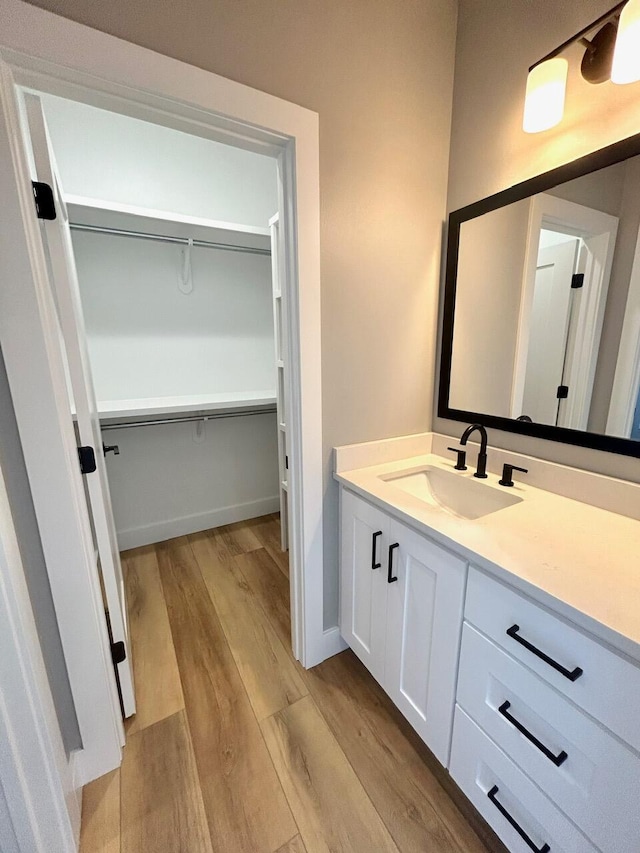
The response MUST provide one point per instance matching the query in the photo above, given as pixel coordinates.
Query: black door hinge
(87, 458)
(43, 197)
(577, 280)
(118, 652)
(563, 392)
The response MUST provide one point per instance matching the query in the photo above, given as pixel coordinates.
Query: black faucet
(481, 467)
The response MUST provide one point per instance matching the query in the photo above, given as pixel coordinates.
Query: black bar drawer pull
(390, 576)
(374, 543)
(556, 759)
(572, 675)
(523, 835)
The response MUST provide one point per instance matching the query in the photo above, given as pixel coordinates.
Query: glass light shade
(626, 56)
(546, 90)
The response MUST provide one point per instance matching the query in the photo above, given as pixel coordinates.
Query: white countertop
(581, 561)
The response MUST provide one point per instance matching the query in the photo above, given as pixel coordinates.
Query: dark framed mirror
(541, 320)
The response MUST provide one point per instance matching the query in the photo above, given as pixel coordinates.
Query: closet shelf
(106, 214)
(142, 408)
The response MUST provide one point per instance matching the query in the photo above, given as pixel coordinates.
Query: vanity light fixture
(612, 52)
(546, 90)
(626, 56)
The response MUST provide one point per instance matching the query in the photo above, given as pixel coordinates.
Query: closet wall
(152, 338)
(148, 339)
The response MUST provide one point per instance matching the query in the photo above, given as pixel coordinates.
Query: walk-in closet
(181, 337)
(173, 240)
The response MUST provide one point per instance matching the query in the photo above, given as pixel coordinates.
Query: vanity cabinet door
(363, 581)
(425, 587)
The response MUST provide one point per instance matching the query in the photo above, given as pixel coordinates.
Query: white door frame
(56, 235)
(55, 55)
(39, 800)
(599, 231)
(32, 349)
(626, 384)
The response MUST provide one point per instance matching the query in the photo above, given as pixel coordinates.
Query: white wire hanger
(185, 281)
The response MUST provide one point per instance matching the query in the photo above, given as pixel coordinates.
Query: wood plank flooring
(156, 676)
(100, 828)
(235, 748)
(162, 805)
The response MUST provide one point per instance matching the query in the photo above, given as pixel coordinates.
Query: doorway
(172, 329)
(294, 147)
(567, 268)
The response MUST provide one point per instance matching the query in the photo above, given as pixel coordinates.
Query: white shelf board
(144, 407)
(107, 214)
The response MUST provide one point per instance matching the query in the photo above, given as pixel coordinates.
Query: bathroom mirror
(541, 331)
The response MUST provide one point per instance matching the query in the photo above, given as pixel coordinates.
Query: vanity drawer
(586, 771)
(606, 685)
(521, 815)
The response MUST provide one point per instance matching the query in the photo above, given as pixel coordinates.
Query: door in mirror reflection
(548, 324)
(568, 264)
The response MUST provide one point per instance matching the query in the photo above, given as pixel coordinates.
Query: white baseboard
(330, 644)
(135, 537)
(333, 642)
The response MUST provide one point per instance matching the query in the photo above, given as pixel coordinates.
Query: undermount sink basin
(466, 497)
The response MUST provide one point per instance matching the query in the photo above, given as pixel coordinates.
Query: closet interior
(176, 244)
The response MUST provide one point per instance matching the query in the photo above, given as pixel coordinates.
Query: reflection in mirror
(547, 307)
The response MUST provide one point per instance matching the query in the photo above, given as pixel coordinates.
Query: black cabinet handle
(505, 814)
(374, 542)
(572, 675)
(390, 576)
(556, 759)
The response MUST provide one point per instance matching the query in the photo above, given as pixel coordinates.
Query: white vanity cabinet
(514, 656)
(363, 587)
(402, 599)
(546, 727)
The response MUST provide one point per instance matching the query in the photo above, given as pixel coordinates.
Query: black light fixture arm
(609, 16)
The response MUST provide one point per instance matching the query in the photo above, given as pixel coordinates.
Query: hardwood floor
(101, 815)
(236, 748)
(161, 799)
(156, 676)
(246, 807)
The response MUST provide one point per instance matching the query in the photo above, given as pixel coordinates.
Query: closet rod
(162, 238)
(187, 418)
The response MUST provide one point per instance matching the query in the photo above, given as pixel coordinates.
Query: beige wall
(379, 73)
(497, 41)
(600, 190)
